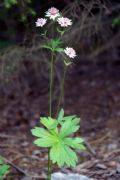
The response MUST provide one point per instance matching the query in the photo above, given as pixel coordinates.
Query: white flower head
(52, 13)
(41, 22)
(70, 52)
(64, 22)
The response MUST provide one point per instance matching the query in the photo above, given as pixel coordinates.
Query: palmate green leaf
(55, 136)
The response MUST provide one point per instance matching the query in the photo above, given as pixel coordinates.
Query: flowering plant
(57, 134)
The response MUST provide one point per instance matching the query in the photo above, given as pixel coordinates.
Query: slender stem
(61, 97)
(50, 110)
(51, 83)
(49, 167)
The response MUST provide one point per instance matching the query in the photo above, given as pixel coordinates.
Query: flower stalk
(50, 108)
(51, 82)
(61, 96)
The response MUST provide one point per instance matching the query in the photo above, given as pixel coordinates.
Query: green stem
(51, 83)
(50, 109)
(61, 97)
(49, 167)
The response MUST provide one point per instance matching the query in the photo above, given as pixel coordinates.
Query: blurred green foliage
(4, 169)
(9, 3)
(15, 18)
(5, 44)
(116, 22)
(24, 7)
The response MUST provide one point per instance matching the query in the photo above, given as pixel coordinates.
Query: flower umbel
(70, 52)
(64, 22)
(52, 13)
(41, 22)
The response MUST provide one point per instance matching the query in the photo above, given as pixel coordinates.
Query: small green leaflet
(55, 43)
(116, 22)
(60, 31)
(67, 63)
(45, 33)
(59, 49)
(60, 115)
(4, 169)
(46, 47)
(56, 135)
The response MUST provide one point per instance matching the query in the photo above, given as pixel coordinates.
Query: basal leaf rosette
(57, 137)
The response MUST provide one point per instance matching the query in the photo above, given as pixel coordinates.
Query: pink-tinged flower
(52, 13)
(70, 52)
(64, 22)
(41, 22)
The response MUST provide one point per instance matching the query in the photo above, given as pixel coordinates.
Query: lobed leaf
(60, 115)
(45, 142)
(49, 122)
(40, 132)
(59, 49)
(75, 143)
(62, 154)
(55, 43)
(46, 47)
(69, 127)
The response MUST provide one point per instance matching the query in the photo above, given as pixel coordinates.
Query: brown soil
(93, 93)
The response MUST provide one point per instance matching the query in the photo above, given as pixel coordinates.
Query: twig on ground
(90, 149)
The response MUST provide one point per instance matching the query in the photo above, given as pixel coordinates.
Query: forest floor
(93, 93)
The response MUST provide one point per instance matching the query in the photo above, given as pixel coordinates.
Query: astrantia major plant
(58, 131)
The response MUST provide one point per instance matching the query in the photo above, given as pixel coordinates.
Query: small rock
(112, 164)
(62, 176)
(118, 167)
(101, 166)
(36, 152)
(112, 146)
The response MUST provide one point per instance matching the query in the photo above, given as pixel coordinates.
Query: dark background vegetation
(92, 88)
(24, 67)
